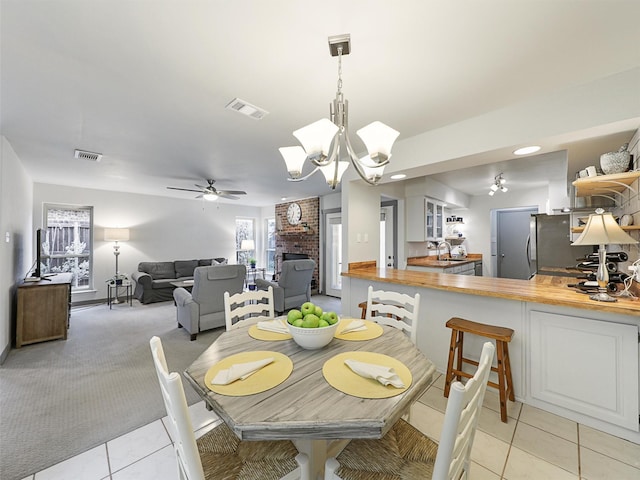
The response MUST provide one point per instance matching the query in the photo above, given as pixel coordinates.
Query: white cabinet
(585, 365)
(425, 219)
(467, 268)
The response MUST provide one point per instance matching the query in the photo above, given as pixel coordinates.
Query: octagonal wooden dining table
(305, 408)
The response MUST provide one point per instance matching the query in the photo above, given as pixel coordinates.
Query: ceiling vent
(91, 156)
(247, 109)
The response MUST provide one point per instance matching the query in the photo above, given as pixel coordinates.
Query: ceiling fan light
(329, 172)
(211, 197)
(316, 137)
(378, 138)
(492, 193)
(494, 187)
(503, 189)
(294, 158)
(502, 181)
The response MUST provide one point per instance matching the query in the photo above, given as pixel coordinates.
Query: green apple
(294, 315)
(318, 312)
(310, 321)
(298, 323)
(323, 323)
(330, 317)
(307, 308)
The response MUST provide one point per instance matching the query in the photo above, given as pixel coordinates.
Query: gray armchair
(203, 308)
(294, 284)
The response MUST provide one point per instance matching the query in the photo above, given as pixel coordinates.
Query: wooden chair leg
(501, 382)
(449, 375)
(460, 359)
(507, 371)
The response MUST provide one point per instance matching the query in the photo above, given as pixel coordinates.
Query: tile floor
(533, 445)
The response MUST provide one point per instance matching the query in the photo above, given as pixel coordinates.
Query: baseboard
(5, 353)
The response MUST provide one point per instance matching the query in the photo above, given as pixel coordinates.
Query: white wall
(17, 255)
(477, 218)
(161, 229)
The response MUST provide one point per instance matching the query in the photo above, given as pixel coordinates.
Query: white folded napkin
(385, 375)
(354, 326)
(239, 371)
(276, 326)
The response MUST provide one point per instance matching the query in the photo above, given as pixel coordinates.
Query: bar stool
(502, 337)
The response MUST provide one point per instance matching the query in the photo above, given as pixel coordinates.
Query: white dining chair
(395, 309)
(219, 454)
(404, 452)
(252, 306)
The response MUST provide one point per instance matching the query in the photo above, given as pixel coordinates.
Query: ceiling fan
(211, 193)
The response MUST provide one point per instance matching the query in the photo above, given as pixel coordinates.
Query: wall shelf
(605, 184)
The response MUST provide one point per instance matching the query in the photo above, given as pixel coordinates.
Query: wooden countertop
(432, 261)
(550, 290)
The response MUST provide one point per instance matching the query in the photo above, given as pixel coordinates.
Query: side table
(252, 274)
(112, 292)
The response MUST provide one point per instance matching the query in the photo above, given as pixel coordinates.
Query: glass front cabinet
(434, 220)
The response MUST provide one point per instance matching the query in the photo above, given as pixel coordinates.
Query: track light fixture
(498, 184)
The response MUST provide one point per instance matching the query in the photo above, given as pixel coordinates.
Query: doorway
(333, 254)
(388, 229)
(512, 233)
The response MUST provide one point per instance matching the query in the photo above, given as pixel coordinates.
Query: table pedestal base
(318, 451)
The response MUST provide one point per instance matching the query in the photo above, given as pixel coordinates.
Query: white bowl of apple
(310, 327)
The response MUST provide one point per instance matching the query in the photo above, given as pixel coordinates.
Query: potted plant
(252, 262)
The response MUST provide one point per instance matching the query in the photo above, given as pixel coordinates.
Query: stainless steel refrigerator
(549, 244)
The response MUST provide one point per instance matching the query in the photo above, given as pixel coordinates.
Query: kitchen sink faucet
(446, 244)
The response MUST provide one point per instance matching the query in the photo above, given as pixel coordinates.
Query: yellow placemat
(342, 378)
(267, 377)
(373, 330)
(258, 334)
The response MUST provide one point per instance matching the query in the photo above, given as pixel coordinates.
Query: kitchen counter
(550, 290)
(562, 341)
(432, 261)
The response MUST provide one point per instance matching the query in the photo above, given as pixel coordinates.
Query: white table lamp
(602, 229)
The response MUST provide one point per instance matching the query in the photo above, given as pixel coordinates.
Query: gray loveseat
(153, 279)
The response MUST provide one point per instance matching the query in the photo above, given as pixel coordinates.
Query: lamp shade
(316, 137)
(329, 171)
(116, 234)
(602, 229)
(294, 157)
(378, 138)
(247, 245)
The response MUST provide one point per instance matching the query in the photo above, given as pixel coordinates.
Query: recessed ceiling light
(526, 150)
(283, 198)
(398, 176)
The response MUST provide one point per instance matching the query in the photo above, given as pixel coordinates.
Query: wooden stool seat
(502, 337)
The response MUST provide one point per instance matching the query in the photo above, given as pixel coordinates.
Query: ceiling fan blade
(226, 195)
(232, 192)
(200, 186)
(184, 189)
(199, 196)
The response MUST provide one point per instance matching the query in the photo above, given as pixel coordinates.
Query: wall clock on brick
(294, 214)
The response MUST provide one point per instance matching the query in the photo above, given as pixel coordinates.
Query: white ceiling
(146, 83)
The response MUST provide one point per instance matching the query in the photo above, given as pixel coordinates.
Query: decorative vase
(615, 162)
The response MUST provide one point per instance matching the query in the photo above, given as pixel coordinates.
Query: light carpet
(61, 398)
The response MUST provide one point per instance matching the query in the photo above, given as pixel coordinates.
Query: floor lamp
(601, 230)
(116, 235)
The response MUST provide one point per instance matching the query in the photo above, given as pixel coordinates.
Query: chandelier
(325, 141)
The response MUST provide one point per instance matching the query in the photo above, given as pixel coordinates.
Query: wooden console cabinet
(43, 310)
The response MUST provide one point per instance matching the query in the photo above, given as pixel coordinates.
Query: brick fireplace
(301, 238)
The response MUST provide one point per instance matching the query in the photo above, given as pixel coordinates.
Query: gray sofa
(203, 308)
(153, 279)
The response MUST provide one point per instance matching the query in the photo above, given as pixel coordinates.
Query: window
(270, 245)
(67, 245)
(244, 231)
